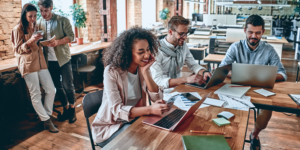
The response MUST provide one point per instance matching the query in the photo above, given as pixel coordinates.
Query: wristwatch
(204, 72)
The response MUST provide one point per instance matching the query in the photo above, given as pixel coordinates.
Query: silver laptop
(218, 77)
(254, 75)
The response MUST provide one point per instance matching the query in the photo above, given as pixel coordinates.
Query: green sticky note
(221, 121)
(205, 142)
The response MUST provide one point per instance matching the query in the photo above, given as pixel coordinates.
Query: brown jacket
(113, 107)
(27, 62)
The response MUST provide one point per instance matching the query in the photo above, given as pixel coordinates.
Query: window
(61, 7)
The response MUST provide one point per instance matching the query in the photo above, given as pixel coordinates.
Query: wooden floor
(282, 133)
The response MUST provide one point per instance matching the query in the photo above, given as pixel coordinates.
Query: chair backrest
(198, 55)
(91, 103)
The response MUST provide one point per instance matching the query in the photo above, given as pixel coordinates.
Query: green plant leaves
(164, 14)
(55, 10)
(78, 16)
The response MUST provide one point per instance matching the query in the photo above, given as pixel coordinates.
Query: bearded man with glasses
(173, 54)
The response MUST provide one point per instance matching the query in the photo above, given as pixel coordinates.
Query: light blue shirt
(264, 54)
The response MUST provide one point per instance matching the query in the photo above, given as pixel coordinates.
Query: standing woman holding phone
(127, 84)
(32, 64)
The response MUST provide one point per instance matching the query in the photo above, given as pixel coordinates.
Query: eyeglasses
(182, 34)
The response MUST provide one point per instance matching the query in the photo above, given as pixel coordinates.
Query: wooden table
(280, 102)
(142, 136)
(88, 47)
(8, 65)
(213, 59)
(277, 44)
(11, 64)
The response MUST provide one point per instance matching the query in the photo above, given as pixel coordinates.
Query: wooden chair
(91, 104)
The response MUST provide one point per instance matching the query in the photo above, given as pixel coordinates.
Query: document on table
(243, 103)
(185, 104)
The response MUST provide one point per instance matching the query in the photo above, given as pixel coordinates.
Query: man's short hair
(45, 3)
(177, 20)
(255, 20)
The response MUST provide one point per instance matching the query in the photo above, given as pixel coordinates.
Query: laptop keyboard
(171, 119)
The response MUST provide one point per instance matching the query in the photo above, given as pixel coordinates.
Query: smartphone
(190, 97)
(41, 32)
(170, 102)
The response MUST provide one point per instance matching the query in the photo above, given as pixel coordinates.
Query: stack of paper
(225, 114)
(221, 121)
(243, 103)
(214, 102)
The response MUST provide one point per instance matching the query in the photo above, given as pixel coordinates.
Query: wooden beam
(178, 7)
(108, 16)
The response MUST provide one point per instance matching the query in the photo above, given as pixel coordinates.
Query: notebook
(221, 121)
(225, 114)
(233, 91)
(205, 142)
(264, 92)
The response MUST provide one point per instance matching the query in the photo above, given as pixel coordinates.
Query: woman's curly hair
(119, 53)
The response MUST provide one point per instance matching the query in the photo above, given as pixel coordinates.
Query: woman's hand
(36, 37)
(147, 67)
(158, 107)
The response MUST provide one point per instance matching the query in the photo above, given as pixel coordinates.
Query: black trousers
(63, 81)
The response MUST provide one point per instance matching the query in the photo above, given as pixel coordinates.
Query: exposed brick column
(10, 13)
(134, 13)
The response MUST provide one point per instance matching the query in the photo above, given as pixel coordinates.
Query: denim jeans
(63, 81)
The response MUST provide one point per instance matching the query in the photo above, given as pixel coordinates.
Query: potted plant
(79, 19)
(164, 15)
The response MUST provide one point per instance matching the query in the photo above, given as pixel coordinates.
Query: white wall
(148, 12)
(121, 13)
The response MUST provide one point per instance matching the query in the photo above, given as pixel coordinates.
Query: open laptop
(171, 119)
(254, 75)
(218, 77)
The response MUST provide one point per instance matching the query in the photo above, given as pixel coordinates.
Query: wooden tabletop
(11, 64)
(199, 49)
(278, 41)
(142, 136)
(8, 65)
(280, 88)
(88, 47)
(193, 36)
(214, 57)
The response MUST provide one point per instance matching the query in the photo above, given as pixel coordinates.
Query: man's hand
(53, 44)
(229, 74)
(205, 75)
(195, 79)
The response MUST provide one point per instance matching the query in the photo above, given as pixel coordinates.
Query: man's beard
(176, 41)
(253, 43)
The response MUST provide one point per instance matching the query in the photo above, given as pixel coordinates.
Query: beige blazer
(27, 62)
(114, 101)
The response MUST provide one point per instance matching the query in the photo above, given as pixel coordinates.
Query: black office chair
(91, 104)
(81, 67)
(198, 55)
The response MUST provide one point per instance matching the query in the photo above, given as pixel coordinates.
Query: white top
(134, 89)
(160, 68)
(51, 52)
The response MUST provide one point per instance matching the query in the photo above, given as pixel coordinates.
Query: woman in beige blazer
(32, 65)
(127, 83)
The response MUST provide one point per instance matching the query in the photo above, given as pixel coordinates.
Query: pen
(238, 86)
(206, 132)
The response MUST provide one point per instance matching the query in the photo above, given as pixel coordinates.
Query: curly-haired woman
(127, 82)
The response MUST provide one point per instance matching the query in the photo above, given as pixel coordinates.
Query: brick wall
(10, 12)
(92, 32)
(134, 13)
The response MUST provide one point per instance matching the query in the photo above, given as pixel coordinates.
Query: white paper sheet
(243, 103)
(185, 104)
(214, 102)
